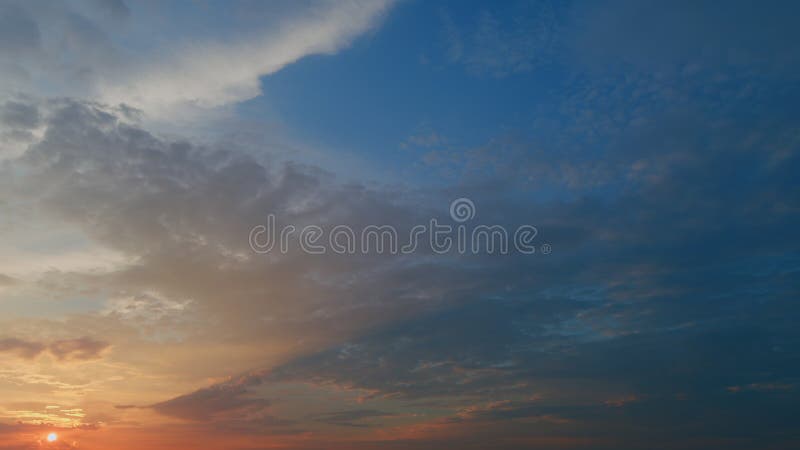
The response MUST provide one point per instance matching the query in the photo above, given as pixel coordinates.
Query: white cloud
(68, 50)
(212, 74)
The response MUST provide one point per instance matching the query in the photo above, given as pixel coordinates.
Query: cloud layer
(665, 316)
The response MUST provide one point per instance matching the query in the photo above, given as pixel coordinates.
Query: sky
(654, 147)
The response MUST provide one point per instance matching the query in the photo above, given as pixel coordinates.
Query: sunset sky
(654, 146)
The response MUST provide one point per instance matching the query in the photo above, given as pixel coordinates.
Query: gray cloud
(19, 115)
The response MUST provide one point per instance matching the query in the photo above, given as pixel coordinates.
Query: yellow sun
(52, 437)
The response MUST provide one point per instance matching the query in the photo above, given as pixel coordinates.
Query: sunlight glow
(52, 437)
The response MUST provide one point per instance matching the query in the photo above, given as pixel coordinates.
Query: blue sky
(654, 146)
(398, 82)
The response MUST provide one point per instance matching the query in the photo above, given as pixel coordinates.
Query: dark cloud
(220, 401)
(230, 406)
(22, 348)
(81, 349)
(352, 418)
(19, 115)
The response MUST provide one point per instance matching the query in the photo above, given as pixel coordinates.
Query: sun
(52, 437)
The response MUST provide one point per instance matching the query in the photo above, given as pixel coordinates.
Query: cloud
(229, 405)
(19, 115)
(81, 349)
(65, 350)
(220, 400)
(18, 123)
(214, 74)
(6, 280)
(672, 279)
(352, 418)
(612, 313)
(24, 349)
(182, 214)
(146, 307)
(79, 51)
